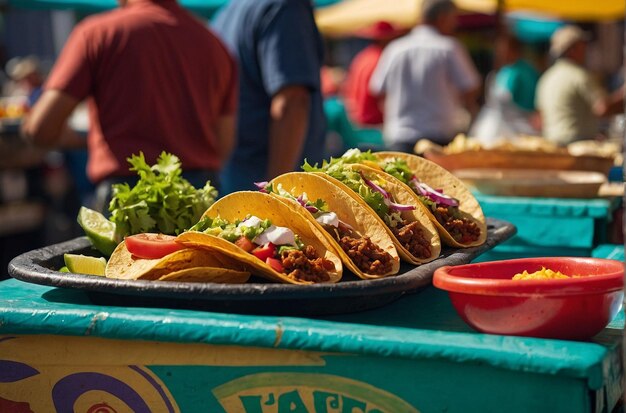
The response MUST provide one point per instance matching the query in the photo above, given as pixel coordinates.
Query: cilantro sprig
(161, 201)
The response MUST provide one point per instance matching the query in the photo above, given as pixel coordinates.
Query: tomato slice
(275, 264)
(264, 252)
(151, 246)
(245, 244)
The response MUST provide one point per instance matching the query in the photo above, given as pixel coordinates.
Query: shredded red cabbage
(261, 186)
(374, 186)
(399, 207)
(303, 202)
(435, 195)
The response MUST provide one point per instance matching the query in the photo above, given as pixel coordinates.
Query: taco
(361, 241)
(189, 265)
(268, 237)
(392, 203)
(449, 203)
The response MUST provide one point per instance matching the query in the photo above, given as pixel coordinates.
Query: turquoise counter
(57, 349)
(550, 226)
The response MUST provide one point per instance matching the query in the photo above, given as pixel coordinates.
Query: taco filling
(444, 208)
(412, 238)
(278, 247)
(365, 254)
(410, 234)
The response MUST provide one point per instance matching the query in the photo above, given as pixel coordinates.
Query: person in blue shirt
(280, 115)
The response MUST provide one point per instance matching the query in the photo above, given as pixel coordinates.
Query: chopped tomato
(151, 246)
(275, 264)
(245, 244)
(264, 252)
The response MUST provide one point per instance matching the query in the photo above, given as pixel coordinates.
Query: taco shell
(347, 209)
(207, 274)
(403, 195)
(238, 205)
(437, 177)
(123, 265)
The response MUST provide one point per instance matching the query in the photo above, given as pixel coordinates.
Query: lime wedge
(64, 269)
(84, 264)
(99, 230)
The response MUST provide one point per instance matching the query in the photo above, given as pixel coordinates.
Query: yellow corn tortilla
(207, 274)
(347, 209)
(123, 265)
(403, 195)
(437, 177)
(237, 206)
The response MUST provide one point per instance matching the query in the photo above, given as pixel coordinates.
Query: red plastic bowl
(487, 298)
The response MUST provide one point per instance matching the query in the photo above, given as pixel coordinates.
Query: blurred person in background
(280, 117)
(569, 98)
(331, 79)
(425, 78)
(364, 108)
(510, 97)
(158, 80)
(27, 73)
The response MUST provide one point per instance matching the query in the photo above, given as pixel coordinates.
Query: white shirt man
(425, 77)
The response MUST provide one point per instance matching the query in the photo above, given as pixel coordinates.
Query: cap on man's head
(564, 38)
(431, 9)
(381, 30)
(19, 68)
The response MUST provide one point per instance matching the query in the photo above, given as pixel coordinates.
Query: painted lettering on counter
(293, 402)
(306, 393)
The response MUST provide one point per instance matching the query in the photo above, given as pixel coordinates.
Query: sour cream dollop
(250, 222)
(328, 218)
(277, 236)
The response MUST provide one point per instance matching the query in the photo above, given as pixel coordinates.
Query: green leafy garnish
(161, 201)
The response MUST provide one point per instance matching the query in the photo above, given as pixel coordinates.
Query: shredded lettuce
(354, 181)
(399, 170)
(161, 201)
(353, 155)
(336, 168)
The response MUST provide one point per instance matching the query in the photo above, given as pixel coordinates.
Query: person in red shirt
(363, 108)
(157, 80)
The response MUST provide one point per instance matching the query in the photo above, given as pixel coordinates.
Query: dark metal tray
(256, 297)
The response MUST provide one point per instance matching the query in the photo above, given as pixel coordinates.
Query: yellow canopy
(348, 16)
(582, 10)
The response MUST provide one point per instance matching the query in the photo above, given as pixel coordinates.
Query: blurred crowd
(242, 99)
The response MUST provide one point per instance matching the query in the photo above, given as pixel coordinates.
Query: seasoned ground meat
(306, 265)
(366, 255)
(463, 230)
(412, 238)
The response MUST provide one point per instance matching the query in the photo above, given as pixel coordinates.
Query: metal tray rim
(30, 267)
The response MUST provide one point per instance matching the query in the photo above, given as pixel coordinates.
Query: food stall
(78, 343)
